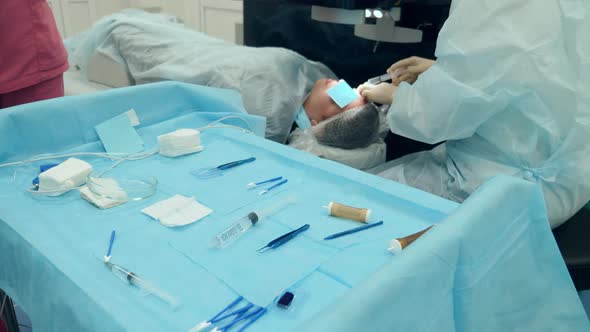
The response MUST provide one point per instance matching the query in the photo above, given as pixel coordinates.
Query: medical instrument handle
(259, 314)
(270, 180)
(285, 238)
(277, 185)
(235, 163)
(353, 230)
(111, 244)
(274, 208)
(238, 313)
(229, 306)
(242, 316)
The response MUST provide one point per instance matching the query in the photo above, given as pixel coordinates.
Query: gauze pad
(177, 211)
(104, 187)
(179, 143)
(67, 175)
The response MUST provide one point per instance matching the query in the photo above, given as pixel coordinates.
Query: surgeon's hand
(380, 93)
(408, 70)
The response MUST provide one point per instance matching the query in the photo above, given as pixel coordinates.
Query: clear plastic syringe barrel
(232, 233)
(146, 287)
(236, 230)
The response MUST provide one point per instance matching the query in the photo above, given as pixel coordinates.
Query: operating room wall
(218, 18)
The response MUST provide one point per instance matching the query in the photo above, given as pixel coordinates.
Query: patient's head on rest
(352, 129)
(319, 106)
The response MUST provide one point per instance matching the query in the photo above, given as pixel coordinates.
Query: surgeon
(505, 95)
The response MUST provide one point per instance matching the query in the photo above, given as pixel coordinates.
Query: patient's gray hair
(352, 129)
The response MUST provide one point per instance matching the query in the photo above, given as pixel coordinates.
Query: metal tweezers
(283, 238)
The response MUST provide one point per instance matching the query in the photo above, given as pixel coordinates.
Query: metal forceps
(207, 173)
(283, 238)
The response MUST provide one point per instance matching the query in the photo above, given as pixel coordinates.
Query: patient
(354, 126)
(319, 106)
(274, 82)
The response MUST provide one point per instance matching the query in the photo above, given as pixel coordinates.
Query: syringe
(236, 230)
(145, 286)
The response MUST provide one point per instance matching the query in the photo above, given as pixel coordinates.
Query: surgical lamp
(373, 20)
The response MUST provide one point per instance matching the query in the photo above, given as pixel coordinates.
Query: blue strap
(302, 120)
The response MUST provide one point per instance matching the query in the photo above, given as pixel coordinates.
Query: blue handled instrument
(353, 230)
(206, 173)
(107, 257)
(252, 185)
(273, 187)
(283, 238)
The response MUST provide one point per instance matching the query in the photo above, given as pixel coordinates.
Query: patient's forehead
(323, 103)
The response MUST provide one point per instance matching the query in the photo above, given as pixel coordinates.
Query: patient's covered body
(273, 82)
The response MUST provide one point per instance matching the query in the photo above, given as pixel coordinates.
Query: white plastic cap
(329, 207)
(395, 247)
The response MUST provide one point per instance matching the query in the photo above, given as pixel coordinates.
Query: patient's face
(319, 106)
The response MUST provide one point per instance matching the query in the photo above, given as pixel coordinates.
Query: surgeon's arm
(438, 107)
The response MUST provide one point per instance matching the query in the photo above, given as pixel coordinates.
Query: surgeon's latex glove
(380, 93)
(408, 70)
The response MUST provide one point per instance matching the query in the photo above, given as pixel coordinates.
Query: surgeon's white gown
(510, 93)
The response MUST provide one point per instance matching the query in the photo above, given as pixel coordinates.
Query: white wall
(218, 18)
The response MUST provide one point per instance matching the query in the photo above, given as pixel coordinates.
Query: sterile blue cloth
(52, 246)
(118, 135)
(458, 278)
(509, 96)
